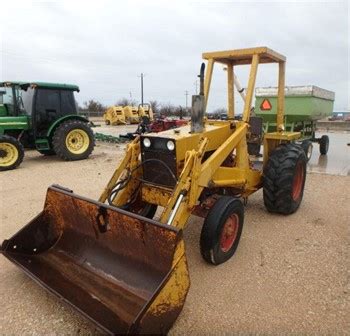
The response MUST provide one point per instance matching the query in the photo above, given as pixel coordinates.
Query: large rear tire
(222, 230)
(73, 140)
(284, 179)
(11, 153)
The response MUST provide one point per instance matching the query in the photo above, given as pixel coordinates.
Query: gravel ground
(290, 274)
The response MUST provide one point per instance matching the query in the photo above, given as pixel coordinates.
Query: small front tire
(222, 230)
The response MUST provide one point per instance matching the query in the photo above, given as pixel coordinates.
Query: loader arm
(130, 161)
(197, 175)
(187, 187)
(211, 165)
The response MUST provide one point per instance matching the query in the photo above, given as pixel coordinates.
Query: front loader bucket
(126, 273)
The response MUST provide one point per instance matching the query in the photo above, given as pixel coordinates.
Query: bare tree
(181, 111)
(93, 106)
(126, 101)
(155, 105)
(216, 114)
(167, 110)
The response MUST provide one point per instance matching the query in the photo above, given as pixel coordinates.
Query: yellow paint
(251, 87)
(244, 56)
(77, 141)
(280, 98)
(230, 92)
(288, 136)
(9, 154)
(156, 195)
(174, 291)
(274, 139)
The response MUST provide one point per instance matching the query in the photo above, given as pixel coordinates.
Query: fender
(62, 119)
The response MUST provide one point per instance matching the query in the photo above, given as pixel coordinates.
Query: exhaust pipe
(198, 106)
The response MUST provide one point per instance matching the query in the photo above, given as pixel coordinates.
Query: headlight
(147, 142)
(170, 144)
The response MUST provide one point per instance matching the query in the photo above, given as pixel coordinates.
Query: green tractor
(42, 116)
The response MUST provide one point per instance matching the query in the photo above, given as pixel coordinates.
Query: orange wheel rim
(298, 181)
(229, 233)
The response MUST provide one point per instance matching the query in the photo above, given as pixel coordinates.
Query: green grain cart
(304, 105)
(42, 116)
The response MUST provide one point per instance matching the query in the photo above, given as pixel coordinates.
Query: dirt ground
(290, 274)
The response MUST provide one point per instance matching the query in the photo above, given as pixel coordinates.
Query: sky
(104, 46)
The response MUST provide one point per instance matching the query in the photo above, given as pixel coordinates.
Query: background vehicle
(42, 116)
(223, 116)
(158, 125)
(304, 105)
(163, 124)
(114, 115)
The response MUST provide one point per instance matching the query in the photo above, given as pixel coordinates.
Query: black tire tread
(59, 143)
(209, 235)
(278, 178)
(324, 144)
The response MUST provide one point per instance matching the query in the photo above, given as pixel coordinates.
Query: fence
(91, 113)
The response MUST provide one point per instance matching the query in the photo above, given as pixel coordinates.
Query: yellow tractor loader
(131, 114)
(114, 115)
(126, 271)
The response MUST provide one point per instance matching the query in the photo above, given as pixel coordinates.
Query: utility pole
(186, 94)
(142, 75)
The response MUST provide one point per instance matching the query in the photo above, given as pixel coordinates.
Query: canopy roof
(244, 56)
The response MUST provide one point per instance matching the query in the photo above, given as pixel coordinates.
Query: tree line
(96, 108)
(160, 109)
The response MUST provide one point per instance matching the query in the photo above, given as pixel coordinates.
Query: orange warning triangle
(265, 105)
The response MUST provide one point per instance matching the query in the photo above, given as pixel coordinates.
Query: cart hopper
(302, 103)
